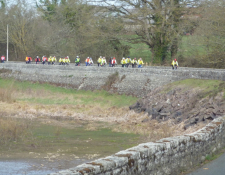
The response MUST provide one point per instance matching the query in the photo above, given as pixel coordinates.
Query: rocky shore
(182, 104)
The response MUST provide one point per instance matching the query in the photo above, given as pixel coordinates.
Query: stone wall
(137, 82)
(168, 156)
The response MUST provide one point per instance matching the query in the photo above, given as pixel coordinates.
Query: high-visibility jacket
(60, 60)
(134, 61)
(103, 61)
(140, 62)
(44, 59)
(87, 60)
(128, 60)
(123, 61)
(63, 60)
(99, 60)
(50, 59)
(68, 60)
(37, 59)
(54, 59)
(28, 58)
(174, 63)
(77, 60)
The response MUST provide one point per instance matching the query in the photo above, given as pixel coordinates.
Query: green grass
(60, 95)
(192, 46)
(98, 141)
(208, 87)
(49, 138)
(141, 50)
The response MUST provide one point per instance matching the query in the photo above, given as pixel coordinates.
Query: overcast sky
(10, 2)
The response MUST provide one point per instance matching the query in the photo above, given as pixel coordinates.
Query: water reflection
(36, 167)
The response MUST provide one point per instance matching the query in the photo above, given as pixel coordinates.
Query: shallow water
(36, 167)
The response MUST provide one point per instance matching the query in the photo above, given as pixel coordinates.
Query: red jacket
(37, 59)
(3, 58)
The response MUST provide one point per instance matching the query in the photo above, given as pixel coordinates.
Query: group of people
(50, 61)
(125, 62)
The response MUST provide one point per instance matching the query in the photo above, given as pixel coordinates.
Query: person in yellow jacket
(123, 62)
(50, 60)
(60, 61)
(54, 60)
(134, 63)
(77, 61)
(68, 61)
(27, 60)
(99, 60)
(63, 61)
(174, 64)
(128, 61)
(140, 63)
(103, 63)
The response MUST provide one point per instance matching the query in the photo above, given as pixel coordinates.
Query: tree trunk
(174, 48)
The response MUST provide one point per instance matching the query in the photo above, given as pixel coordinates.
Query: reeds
(6, 94)
(12, 129)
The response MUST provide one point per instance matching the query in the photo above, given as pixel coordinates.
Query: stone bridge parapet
(136, 82)
(168, 156)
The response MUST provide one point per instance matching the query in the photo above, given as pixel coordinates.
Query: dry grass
(6, 95)
(120, 119)
(12, 129)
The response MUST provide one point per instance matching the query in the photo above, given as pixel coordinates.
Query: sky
(10, 2)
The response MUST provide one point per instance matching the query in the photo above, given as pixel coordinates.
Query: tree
(210, 34)
(27, 31)
(79, 29)
(2, 4)
(155, 23)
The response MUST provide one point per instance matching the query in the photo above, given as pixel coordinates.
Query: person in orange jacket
(44, 59)
(28, 59)
(37, 60)
(87, 61)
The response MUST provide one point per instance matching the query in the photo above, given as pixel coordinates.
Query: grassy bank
(49, 94)
(208, 87)
(43, 133)
(81, 122)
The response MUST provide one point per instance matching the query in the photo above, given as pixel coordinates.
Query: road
(216, 167)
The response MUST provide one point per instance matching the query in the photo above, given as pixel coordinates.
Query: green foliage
(209, 87)
(2, 4)
(48, 8)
